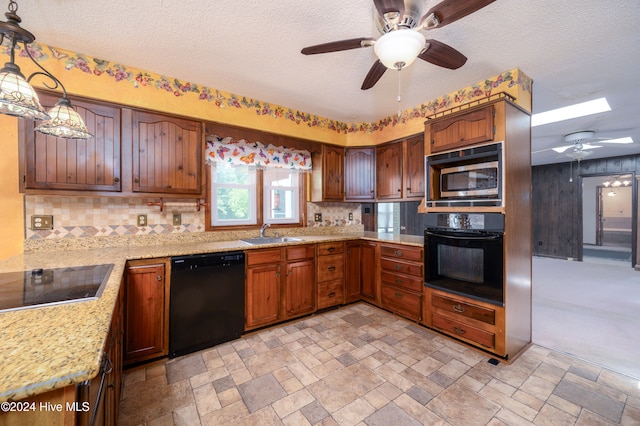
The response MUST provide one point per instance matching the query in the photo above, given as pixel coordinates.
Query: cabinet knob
(399, 189)
(332, 294)
(331, 268)
(399, 295)
(399, 281)
(398, 253)
(116, 180)
(159, 277)
(398, 267)
(136, 180)
(331, 249)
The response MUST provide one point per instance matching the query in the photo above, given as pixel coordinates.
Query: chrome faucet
(263, 228)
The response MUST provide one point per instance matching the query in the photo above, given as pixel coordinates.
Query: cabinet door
(76, 164)
(389, 171)
(145, 312)
(263, 295)
(369, 272)
(301, 289)
(462, 129)
(414, 167)
(353, 265)
(333, 185)
(359, 174)
(167, 154)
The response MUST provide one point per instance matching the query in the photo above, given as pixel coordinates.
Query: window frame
(259, 202)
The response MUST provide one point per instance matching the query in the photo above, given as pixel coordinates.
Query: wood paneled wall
(557, 203)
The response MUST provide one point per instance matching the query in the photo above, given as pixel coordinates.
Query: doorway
(608, 218)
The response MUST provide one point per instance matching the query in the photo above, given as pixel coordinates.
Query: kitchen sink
(269, 240)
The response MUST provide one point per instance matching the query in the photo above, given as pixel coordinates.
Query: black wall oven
(464, 254)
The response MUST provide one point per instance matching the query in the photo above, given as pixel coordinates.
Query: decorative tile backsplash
(86, 217)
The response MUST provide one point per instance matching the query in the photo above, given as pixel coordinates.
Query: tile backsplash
(86, 217)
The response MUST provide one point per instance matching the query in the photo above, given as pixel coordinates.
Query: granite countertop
(49, 347)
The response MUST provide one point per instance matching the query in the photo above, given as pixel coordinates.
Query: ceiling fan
(578, 146)
(401, 42)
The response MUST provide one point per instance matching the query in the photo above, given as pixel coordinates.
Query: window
(237, 192)
(281, 189)
(233, 195)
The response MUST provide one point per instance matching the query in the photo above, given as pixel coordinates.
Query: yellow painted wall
(11, 201)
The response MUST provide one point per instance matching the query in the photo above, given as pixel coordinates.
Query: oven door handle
(465, 236)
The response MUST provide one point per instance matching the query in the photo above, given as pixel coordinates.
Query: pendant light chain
(399, 93)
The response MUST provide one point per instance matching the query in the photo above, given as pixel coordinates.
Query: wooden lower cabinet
(352, 271)
(475, 322)
(370, 285)
(402, 279)
(280, 284)
(146, 309)
(330, 274)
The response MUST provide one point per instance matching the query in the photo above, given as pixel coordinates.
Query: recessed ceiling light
(571, 111)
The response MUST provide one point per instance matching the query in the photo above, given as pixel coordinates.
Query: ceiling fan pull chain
(571, 171)
(399, 94)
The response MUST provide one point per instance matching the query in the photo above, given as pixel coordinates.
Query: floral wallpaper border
(143, 80)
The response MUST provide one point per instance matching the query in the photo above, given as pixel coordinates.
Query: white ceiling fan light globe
(398, 49)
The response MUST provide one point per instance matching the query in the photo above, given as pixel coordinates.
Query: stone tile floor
(360, 365)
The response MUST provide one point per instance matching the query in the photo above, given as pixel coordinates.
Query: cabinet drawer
(330, 248)
(468, 310)
(401, 252)
(405, 281)
(330, 267)
(301, 252)
(257, 257)
(464, 331)
(395, 266)
(330, 293)
(402, 302)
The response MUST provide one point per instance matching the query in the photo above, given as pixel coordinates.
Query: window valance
(242, 152)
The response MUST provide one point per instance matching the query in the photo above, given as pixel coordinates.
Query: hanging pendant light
(19, 99)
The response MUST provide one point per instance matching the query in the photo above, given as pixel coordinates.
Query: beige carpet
(588, 310)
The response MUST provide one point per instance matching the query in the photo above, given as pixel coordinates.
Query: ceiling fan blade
(384, 6)
(336, 46)
(587, 146)
(449, 11)
(374, 74)
(443, 55)
(561, 149)
(618, 140)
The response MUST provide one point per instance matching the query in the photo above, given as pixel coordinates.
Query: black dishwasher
(207, 301)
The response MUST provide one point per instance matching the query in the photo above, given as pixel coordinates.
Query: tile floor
(360, 365)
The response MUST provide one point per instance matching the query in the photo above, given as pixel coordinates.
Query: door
(369, 272)
(389, 171)
(300, 288)
(414, 167)
(263, 295)
(76, 164)
(167, 153)
(359, 174)
(353, 271)
(599, 216)
(145, 312)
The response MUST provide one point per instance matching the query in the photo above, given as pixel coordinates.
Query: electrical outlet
(42, 222)
(317, 217)
(142, 220)
(350, 216)
(177, 219)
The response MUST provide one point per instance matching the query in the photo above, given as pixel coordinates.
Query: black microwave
(465, 177)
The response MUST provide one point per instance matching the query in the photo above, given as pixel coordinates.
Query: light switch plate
(41, 222)
(142, 220)
(350, 216)
(177, 219)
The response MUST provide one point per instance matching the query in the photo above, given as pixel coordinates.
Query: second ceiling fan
(401, 22)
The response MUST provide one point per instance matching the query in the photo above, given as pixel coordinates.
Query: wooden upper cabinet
(167, 154)
(328, 174)
(414, 167)
(75, 164)
(359, 174)
(461, 129)
(389, 171)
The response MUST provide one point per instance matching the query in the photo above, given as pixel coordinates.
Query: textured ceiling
(573, 50)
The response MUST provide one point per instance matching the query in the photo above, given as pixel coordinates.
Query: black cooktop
(39, 287)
